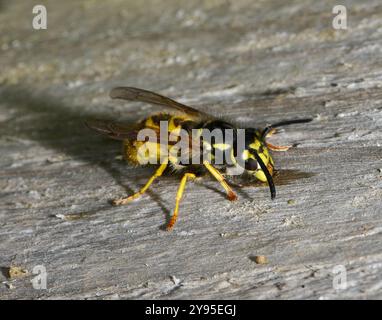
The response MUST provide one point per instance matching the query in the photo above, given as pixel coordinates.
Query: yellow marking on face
(264, 158)
(255, 145)
(265, 153)
(260, 175)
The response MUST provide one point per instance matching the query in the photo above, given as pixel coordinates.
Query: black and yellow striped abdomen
(153, 149)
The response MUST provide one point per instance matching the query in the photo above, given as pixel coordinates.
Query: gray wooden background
(255, 62)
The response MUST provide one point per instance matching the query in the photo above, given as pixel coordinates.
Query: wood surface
(252, 62)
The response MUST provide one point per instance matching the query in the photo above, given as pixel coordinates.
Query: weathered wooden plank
(254, 63)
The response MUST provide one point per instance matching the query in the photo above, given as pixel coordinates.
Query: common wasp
(178, 141)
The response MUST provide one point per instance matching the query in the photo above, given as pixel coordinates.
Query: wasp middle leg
(231, 195)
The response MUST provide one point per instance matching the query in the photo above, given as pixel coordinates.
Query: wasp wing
(122, 131)
(112, 129)
(136, 94)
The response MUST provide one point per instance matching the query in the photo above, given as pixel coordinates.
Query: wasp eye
(250, 164)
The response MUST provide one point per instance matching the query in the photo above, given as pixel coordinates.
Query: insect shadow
(56, 125)
(4, 271)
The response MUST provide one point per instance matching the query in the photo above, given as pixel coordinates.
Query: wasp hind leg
(231, 195)
(126, 200)
(272, 146)
(179, 195)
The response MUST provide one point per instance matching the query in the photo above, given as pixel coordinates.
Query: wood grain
(250, 62)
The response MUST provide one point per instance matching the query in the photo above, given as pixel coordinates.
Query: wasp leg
(179, 195)
(272, 146)
(277, 148)
(219, 177)
(157, 174)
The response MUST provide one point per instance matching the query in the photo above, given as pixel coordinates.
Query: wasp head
(256, 159)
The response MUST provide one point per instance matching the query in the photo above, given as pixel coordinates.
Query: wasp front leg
(231, 195)
(157, 174)
(272, 146)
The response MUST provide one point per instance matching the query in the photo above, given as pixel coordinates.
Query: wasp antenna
(288, 122)
(267, 175)
(283, 123)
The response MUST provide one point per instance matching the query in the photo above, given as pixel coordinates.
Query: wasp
(254, 156)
